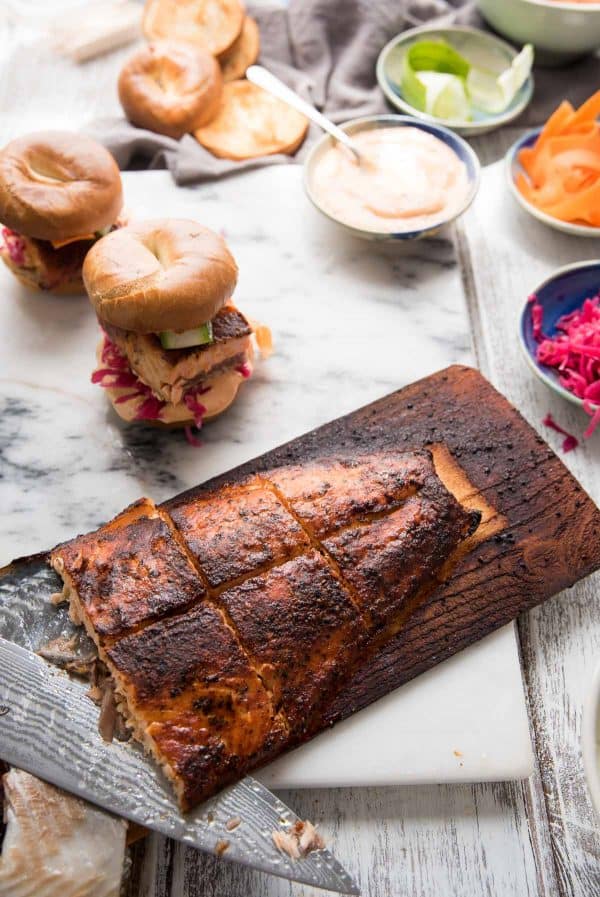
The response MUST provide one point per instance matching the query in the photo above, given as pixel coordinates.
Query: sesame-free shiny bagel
(212, 24)
(163, 274)
(57, 184)
(170, 87)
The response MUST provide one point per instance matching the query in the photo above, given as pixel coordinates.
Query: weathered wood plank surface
(505, 255)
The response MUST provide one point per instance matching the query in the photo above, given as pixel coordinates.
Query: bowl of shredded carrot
(560, 334)
(554, 171)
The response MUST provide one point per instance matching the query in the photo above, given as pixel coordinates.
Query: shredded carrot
(561, 171)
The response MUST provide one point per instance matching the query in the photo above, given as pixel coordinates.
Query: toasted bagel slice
(243, 53)
(252, 123)
(214, 25)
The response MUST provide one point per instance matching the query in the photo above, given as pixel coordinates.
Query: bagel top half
(214, 25)
(56, 185)
(170, 87)
(162, 274)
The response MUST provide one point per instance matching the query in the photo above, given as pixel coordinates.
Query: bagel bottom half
(221, 391)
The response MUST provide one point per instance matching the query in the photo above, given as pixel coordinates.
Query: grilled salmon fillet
(336, 492)
(230, 616)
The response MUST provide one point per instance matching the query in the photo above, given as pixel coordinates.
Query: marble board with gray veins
(352, 321)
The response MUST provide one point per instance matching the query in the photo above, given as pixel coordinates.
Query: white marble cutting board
(352, 321)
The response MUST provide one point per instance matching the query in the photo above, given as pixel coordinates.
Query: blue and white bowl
(513, 168)
(563, 292)
(452, 140)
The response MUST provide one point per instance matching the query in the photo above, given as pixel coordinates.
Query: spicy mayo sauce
(409, 180)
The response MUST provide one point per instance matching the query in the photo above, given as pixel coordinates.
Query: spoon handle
(263, 78)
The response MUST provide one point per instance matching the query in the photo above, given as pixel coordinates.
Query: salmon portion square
(329, 493)
(388, 561)
(128, 572)
(301, 630)
(195, 700)
(238, 531)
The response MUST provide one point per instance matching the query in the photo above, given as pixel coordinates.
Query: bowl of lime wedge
(459, 77)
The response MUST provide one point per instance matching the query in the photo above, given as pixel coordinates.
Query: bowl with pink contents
(413, 177)
(560, 335)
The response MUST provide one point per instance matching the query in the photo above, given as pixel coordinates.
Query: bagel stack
(246, 122)
(174, 349)
(219, 27)
(59, 193)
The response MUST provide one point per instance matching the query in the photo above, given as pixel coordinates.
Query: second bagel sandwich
(174, 349)
(59, 193)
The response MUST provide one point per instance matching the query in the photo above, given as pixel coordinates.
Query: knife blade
(48, 727)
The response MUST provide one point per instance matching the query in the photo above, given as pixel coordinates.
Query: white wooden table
(537, 838)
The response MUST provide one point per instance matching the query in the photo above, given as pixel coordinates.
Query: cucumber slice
(199, 336)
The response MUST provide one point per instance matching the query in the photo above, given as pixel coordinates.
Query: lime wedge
(494, 94)
(433, 80)
(445, 96)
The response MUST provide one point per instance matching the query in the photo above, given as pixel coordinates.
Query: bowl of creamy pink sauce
(416, 177)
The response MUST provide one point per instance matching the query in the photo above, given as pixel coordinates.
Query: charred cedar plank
(301, 630)
(130, 571)
(552, 538)
(238, 532)
(202, 706)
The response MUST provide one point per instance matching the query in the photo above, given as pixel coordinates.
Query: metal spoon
(263, 78)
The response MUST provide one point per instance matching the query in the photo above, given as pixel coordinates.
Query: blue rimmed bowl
(481, 49)
(560, 294)
(514, 168)
(452, 140)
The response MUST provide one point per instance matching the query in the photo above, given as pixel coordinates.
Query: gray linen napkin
(327, 50)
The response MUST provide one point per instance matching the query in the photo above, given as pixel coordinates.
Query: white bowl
(459, 146)
(558, 30)
(590, 740)
(482, 49)
(513, 168)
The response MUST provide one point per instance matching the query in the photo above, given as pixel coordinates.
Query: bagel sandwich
(174, 348)
(59, 193)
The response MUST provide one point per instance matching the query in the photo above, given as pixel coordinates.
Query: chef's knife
(49, 727)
